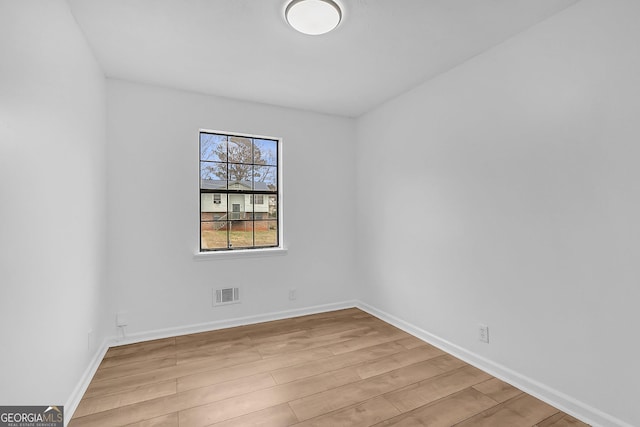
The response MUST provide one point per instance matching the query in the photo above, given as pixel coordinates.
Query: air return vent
(226, 296)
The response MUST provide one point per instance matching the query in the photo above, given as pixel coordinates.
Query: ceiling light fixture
(313, 17)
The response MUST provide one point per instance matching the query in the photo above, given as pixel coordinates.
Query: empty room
(319, 213)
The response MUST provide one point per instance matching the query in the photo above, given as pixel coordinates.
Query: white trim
(280, 194)
(240, 134)
(239, 253)
(76, 395)
(543, 392)
(228, 323)
(565, 403)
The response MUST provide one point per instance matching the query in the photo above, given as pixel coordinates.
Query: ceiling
(244, 49)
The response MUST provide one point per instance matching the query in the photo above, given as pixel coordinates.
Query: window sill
(239, 253)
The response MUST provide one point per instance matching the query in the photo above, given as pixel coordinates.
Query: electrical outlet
(122, 319)
(483, 333)
(293, 294)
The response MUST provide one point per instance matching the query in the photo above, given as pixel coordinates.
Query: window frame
(225, 252)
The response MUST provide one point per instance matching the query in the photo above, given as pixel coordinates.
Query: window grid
(239, 223)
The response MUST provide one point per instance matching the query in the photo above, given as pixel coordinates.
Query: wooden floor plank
(378, 337)
(262, 399)
(521, 411)
(141, 348)
(266, 329)
(497, 390)
(561, 420)
(341, 368)
(140, 394)
(129, 414)
(129, 369)
(429, 390)
(398, 360)
(354, 392)
(447, 362)
(274, 416)
(444, 412)
(152, 350)
(364, 414)
(169, 420)
(315, 367)
(215, 375)
(215, 393)
(271, 349)
(410, 342)
(177, 402)
(109, 386)
(275, 337)
(217, 349)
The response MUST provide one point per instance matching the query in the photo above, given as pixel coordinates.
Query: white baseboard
(543, 392)
(227, 323)
(72, 403)
(565, 403)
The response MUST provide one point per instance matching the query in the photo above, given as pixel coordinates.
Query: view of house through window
(238, 192)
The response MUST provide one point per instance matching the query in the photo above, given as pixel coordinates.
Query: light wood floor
(342, 368)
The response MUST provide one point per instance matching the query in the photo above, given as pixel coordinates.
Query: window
(259, 200)
(239, 192)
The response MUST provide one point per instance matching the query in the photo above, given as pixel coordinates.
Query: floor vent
(226, 296)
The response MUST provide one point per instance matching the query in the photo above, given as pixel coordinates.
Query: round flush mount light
(313, 17)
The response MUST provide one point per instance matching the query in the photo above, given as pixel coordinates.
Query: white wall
(52, 203)
(522, 168)
(153, 209)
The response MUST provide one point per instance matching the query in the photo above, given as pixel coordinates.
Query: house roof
(220, 184)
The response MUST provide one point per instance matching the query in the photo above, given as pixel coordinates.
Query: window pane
(260, 206)
(265, 152)
(241, 234)
(240, 176)
(240, 150)
(272, 202)
(258, 201)
(213, 175)
(266, 233)
(265, 178)
(213, 147)
(239, 192)
(213, 235)
(213, 203)
(239, 207)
